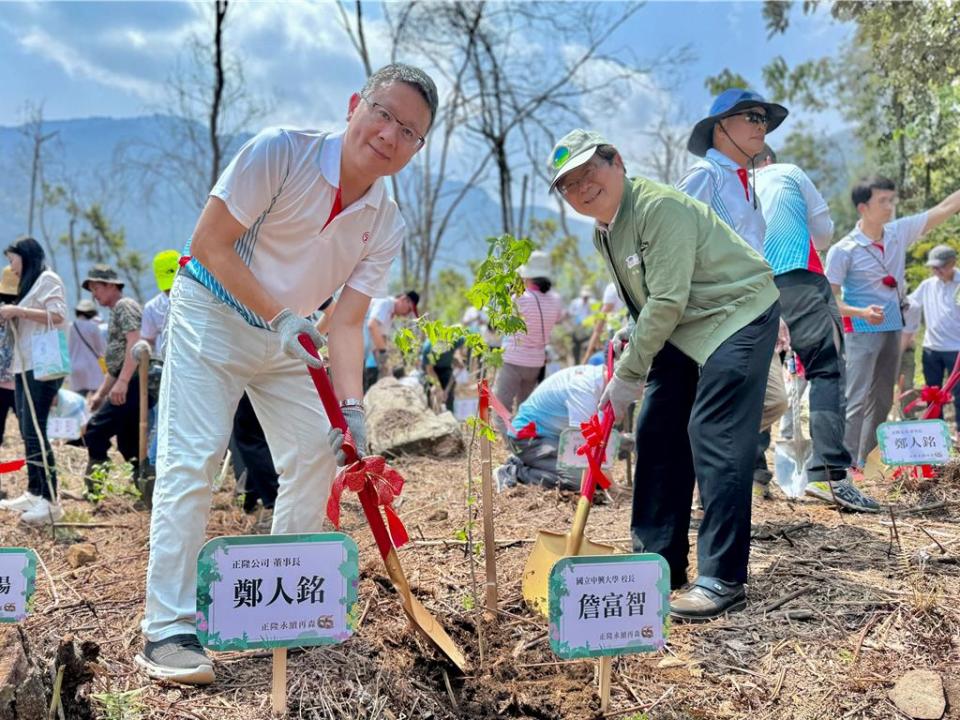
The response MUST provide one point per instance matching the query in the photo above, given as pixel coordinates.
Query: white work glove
(620, 393)
(357, 424)
(290, 327)
(620, 340)
(139, 348)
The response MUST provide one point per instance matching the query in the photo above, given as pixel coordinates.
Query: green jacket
(686, 277)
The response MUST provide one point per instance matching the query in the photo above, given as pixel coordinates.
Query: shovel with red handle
(421, 618)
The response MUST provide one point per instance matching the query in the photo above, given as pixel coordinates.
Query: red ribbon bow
(890, 281)
(592, 432)
(933, 395)
(489, 400)
(387, 483)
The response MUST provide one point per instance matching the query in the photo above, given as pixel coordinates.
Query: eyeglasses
(407, 134)
(753, 117)
(572, 187)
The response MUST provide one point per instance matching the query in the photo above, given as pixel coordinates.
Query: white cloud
(76, 65)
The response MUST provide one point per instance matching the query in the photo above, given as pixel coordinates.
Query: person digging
(707, 313)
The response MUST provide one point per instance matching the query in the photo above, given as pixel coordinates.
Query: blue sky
(86, 59)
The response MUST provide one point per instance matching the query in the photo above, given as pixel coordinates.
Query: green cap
(574, 149)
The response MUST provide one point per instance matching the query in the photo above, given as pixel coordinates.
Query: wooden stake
(606, 663)
(489, 539)
(278, 697)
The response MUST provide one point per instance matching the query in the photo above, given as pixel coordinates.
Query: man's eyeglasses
(753, 117)
(407, 134)
(572, 187)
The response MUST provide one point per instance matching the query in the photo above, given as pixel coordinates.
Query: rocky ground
(842, 606)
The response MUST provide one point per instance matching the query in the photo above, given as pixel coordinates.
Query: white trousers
(213, 356)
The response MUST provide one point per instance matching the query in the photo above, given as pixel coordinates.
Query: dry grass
(840, 606)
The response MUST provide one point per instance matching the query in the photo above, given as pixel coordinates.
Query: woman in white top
(41, 303)
(525, 354)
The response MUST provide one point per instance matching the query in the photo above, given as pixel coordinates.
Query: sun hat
(537, 266)
(730, 102)
(86, 306)
(940, 256)
(102, 273)
(165, 266)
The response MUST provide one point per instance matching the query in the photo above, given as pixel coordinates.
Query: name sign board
(914, 442)
(276, 591)
(571, 439)
(18, 580)
(609, 605)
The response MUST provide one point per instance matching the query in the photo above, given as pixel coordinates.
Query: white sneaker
(43, 512)
(19, 504)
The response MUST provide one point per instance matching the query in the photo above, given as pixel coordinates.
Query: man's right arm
(873, 314)
(214, 246)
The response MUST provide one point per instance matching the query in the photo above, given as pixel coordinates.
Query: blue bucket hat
(728, 103)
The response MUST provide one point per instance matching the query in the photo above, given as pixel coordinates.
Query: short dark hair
(607, 153)
(543, 284)
(413, 296)
(863, 190)
(412, 76)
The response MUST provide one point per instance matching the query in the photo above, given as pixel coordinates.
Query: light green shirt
(687, 278)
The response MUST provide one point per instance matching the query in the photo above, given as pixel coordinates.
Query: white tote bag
(51, 358)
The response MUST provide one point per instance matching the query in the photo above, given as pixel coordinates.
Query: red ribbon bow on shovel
(594, 437)
(386, 482)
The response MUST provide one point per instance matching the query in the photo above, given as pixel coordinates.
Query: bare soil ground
(840, 606)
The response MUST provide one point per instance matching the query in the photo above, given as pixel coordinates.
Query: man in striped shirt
(798, 224)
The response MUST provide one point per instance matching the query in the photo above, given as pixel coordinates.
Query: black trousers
(8, 402)
(700, 424)
(120, 421)
(251, 453)
(42, 392)
(444, 375)
(816, 336)
(937, 366)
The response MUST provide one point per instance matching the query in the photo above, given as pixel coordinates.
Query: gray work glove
(139, 348)
(290, 327)
(357, 423)
(620, 393)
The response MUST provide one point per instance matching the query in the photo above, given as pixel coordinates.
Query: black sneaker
(707, 598)
(179, 658)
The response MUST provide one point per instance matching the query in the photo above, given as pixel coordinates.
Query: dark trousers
(42, 392)
(8, 402)
(816, 336)
(370, 377)
(700, 424)
(534, 462)
(445, 377)
(251, 453)
(937, 366)
(120, 421)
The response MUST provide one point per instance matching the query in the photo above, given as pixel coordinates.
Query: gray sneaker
(844, 493)
(505, 476)
(179, 658)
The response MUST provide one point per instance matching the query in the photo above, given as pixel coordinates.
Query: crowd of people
(712, 285)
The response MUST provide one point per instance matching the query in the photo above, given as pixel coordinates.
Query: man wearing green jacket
(707, 314)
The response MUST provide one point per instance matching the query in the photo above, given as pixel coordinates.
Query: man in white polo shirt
(936, 297)
(376, 331)
(866, 273)
(294, 216)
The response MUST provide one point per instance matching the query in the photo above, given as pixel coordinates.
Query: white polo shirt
(941, 314)
(719, 182)
(282, 186)
(612, 297)
(858, 267)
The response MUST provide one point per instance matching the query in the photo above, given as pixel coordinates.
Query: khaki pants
(775, 399)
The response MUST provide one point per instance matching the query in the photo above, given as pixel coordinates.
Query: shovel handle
(367, 495)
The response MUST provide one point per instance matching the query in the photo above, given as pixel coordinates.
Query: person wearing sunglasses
(707, 314)
(726, 141)
(295, 215)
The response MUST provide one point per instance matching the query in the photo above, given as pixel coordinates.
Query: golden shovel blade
(548, 548)
(421, 618)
